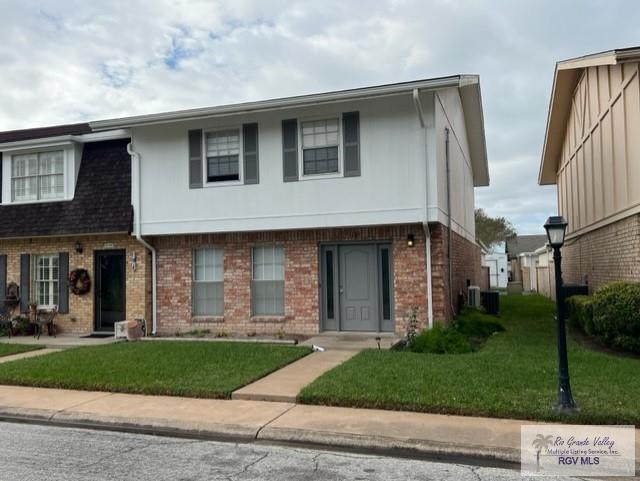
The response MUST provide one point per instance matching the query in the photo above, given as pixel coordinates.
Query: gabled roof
(469, 86)
(524, 243)
(565, 80)
(101, 204)
(44, 132)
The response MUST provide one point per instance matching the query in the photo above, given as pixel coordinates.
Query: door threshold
(99, 335)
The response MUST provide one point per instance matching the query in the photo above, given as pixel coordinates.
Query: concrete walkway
(63, 341)
(284, 384)
(361, 429)
(25, 355)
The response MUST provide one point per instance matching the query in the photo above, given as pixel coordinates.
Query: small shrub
(440, 340)
(23, 326)
(616, 315)
(412, 324)
(580, 310)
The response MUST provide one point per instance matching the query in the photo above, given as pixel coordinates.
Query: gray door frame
(336, 324)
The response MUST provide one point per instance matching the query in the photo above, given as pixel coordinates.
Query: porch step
(285, 384)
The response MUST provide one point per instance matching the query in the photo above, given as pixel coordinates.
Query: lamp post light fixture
(556, 227)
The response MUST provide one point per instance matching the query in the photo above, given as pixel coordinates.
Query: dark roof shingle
(42, 132)
(101, 204)
(524, 243)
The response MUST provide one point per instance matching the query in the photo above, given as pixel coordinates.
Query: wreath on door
(79, 281)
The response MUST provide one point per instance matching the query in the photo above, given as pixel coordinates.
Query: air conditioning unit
(473, 297)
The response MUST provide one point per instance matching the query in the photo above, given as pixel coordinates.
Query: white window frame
(194, 281)
(10, 158)
(284, 263)
(328, 175)
(205, 162)
(52, 284)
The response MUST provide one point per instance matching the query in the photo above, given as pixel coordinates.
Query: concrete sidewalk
(284, 384)
(248, 421)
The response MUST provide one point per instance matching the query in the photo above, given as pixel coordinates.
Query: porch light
(556, 227)
(410, 240)
(78, 247)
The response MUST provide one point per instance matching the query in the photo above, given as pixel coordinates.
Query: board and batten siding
(599, 170)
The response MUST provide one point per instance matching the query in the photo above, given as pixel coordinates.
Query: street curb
(380, 445)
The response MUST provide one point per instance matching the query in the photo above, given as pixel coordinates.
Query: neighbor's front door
(109, 289)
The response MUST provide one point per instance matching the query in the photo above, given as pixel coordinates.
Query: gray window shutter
(290, 149)
(351, 129)
(63, 282)
(250, 153)
(25, 281)
(195, 159)
(3, 278)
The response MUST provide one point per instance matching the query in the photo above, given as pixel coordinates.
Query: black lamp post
(556, 227)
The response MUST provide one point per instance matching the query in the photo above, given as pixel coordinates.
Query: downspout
(449, 215)
(138, 230)
(427, 236)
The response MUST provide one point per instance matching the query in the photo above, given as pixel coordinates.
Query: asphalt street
(34, 452)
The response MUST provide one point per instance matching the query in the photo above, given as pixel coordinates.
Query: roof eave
(471, 98)
(283, 103)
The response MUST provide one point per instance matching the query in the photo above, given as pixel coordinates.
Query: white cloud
(72, 60)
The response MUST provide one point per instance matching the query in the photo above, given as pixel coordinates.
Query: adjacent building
(592, 153)
(338, 211)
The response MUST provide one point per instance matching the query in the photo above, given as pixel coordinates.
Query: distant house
(520, 251)
(592, 153)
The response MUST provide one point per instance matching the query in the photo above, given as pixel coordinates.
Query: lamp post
(556, 227)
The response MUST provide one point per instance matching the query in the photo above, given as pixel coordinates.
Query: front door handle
(341, 290)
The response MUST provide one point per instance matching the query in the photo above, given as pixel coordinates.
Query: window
(208, 284)
(45, 280)
(320, 146)
(37, 176)
(267, 289)
(223, 155)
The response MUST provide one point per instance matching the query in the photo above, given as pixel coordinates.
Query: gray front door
(358, 288)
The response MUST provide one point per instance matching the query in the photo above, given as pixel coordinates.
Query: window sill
(328, 175)
(207, 320)
(29, 202)
(269, 319)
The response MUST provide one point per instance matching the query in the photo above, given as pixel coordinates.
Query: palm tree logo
(539, 443)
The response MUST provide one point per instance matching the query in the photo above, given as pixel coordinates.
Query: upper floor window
(37, 176)
(320, 146)
(223, 155)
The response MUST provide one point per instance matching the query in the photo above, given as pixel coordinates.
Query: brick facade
(466, 264)
(80, 318)
(603, 255)
(301, 289)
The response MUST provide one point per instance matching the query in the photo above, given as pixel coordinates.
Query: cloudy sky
(68, 61)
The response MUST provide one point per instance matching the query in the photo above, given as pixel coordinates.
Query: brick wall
(301, 251)
(607, 254)
(81, 315)
(466, 264)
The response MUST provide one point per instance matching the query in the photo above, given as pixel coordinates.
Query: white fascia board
(283, 103)
(64, 140)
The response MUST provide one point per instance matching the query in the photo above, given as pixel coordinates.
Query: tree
(492, 231)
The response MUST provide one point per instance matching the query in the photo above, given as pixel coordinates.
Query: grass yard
(512, 376)
(9, 349)
(173, 368)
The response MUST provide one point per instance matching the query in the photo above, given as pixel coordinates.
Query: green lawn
(174, 368)
(513, 375)
(9, 349)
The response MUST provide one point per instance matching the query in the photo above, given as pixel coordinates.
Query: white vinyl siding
(208, 282)
(320, 146)
(267, 287)
(223, 155)
(37, 176)
(45, 280)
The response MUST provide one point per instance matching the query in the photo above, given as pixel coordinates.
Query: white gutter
(138, 230)
(285, 103)
(62, 140)
(427, 235)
